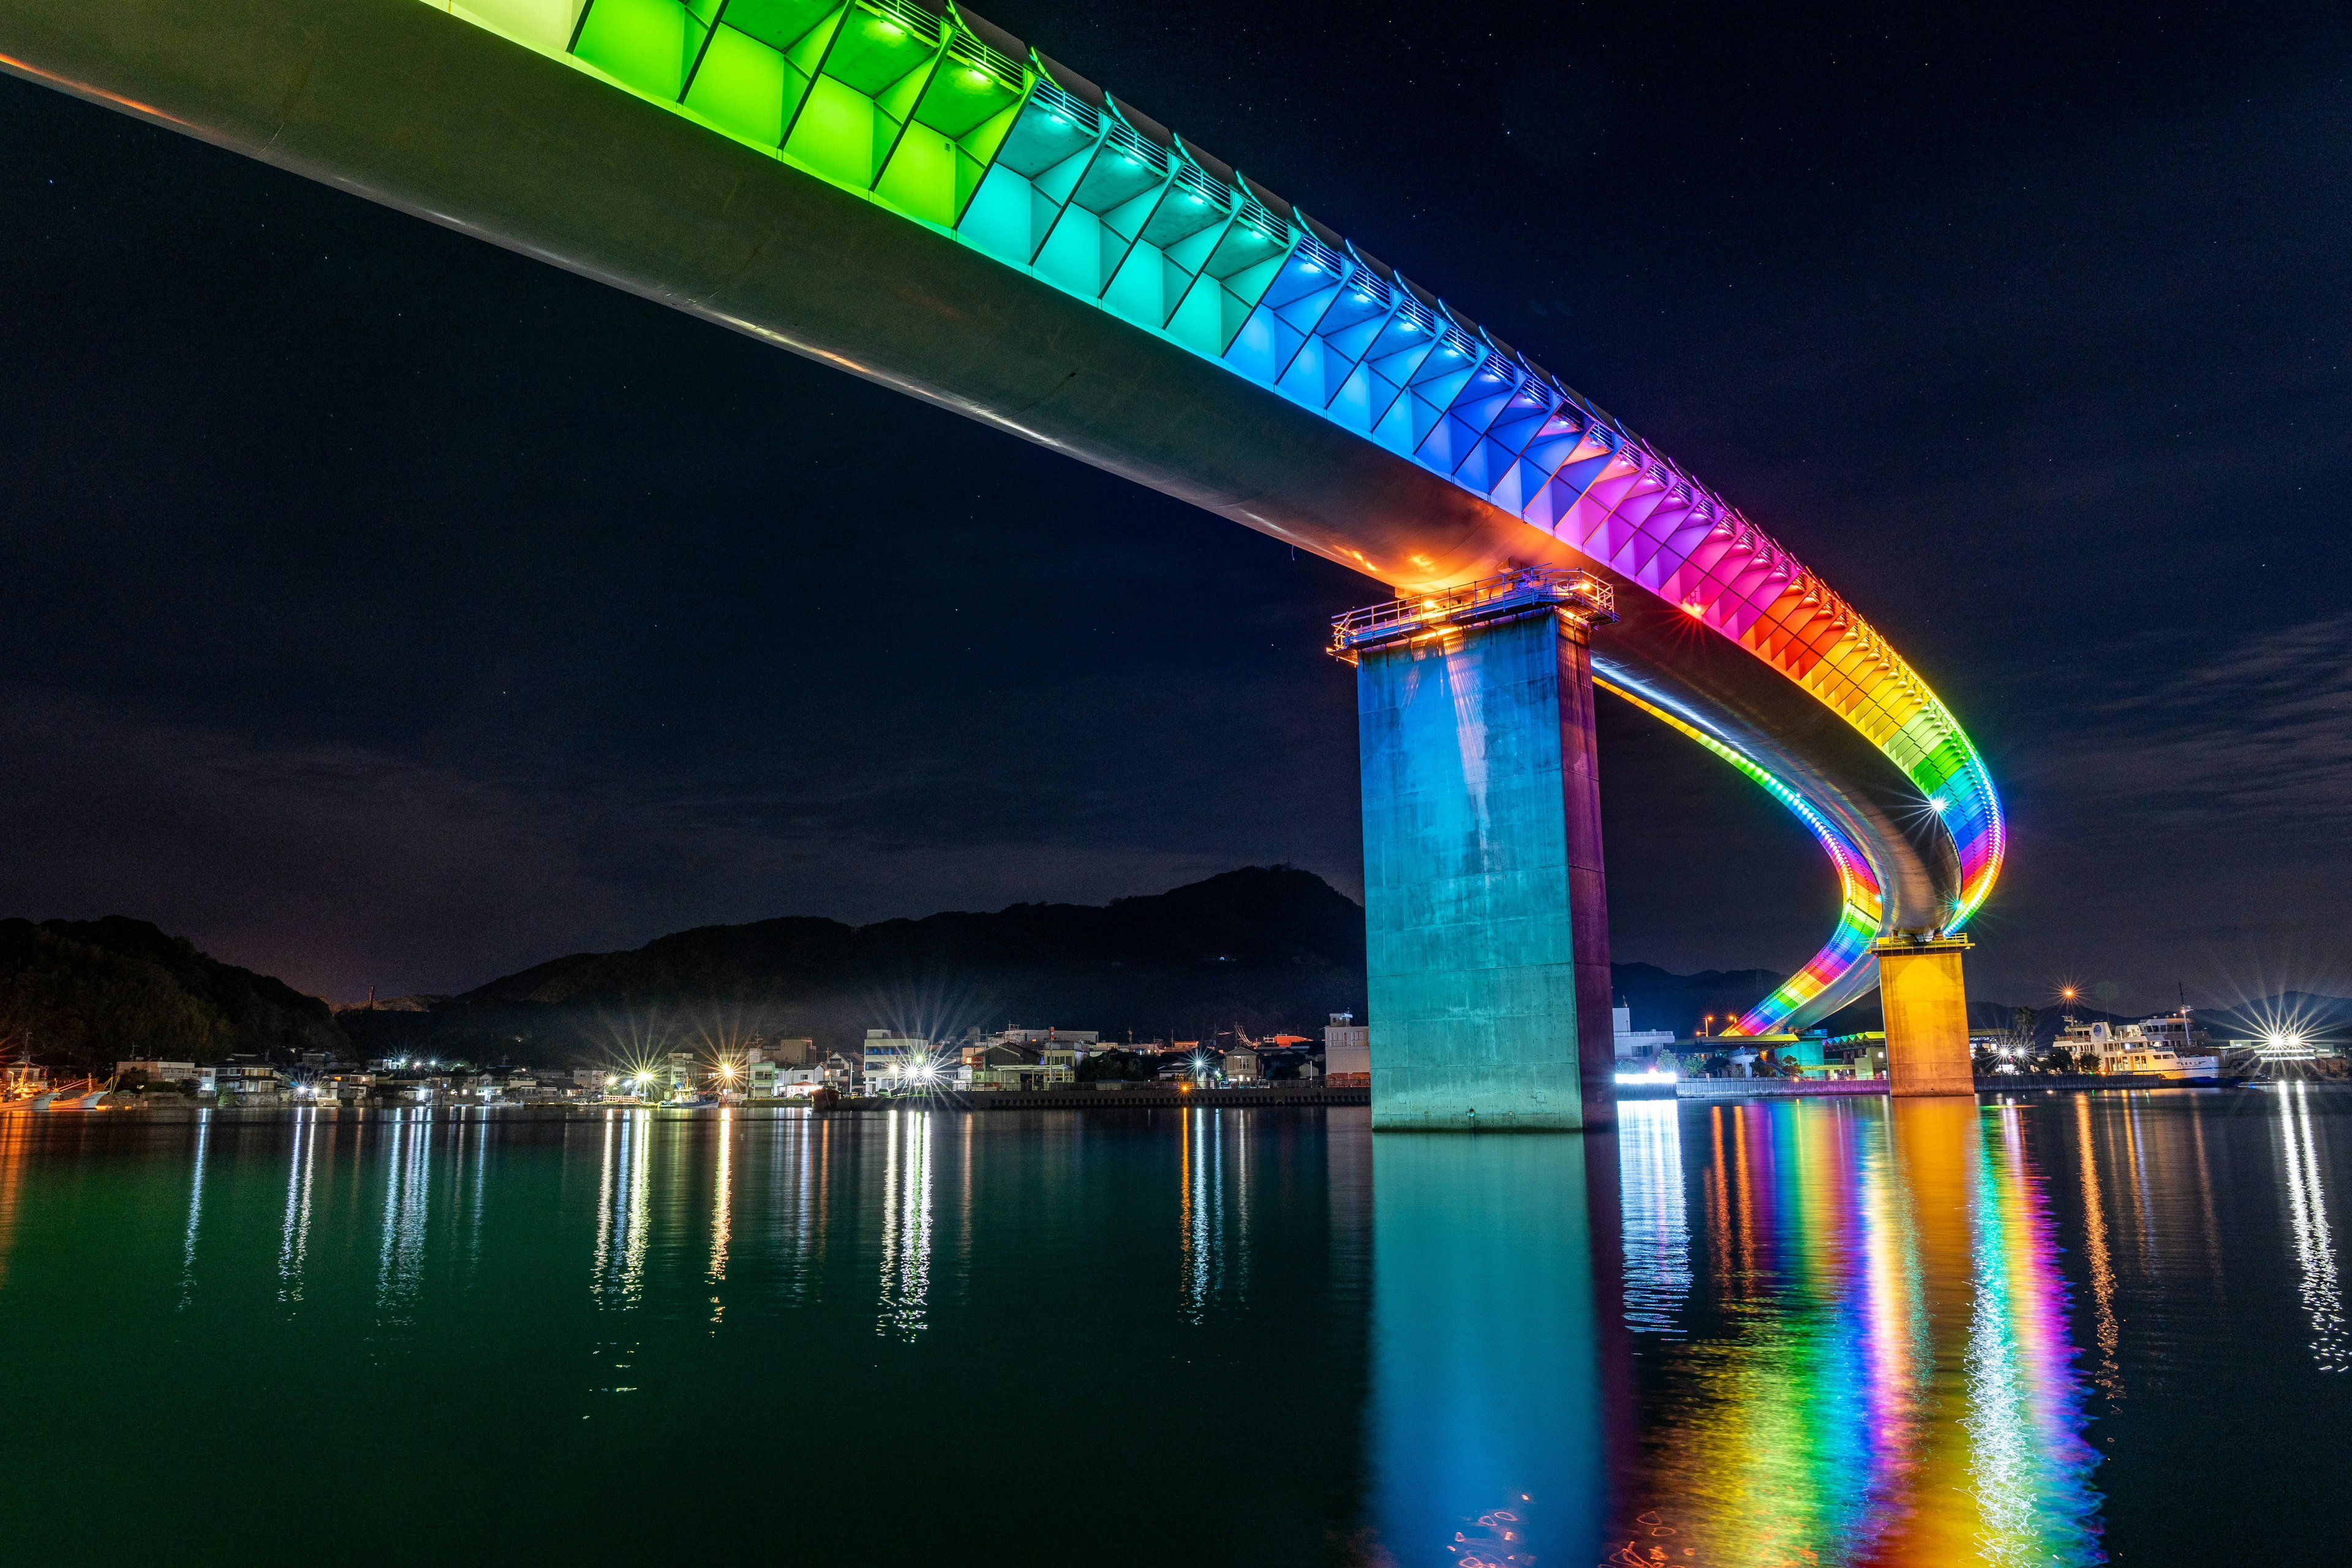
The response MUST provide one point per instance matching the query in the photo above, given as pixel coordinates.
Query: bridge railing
(1506, 596)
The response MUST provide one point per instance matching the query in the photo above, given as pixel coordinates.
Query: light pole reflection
(798, 1145)
(294, 1241)
(1201, 1210)
(907, 1224)
(195, 1209)
(1486, 1439)
(407, 1191)
(2096, 1253)
(482, 1131)
(2315, 1242)
(723, 1206)
(618, 1274)
(12, 1159)
(1657, 1225)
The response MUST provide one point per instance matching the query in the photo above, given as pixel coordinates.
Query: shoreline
(1136, 1098)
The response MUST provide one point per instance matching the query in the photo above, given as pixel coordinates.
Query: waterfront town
(890, 1066)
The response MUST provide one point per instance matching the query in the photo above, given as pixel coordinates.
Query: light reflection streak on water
(1718, 1200)
(195, 1209)
(722, 1200)
(2094, 1246)
(1657, 1227)
(1213, 1180)
(1233, 1253)
(906, 1225)
(1774, 1458)
(1210, 1256)
(2143, 1200)
(1744, 1198)
(1895, 1351)
(481, 1132)
(2029, 1467)
(408, 1180)
(618, 1280)
(294, 1242)
(2314, 1243)
(963, 1192)
(1797, 1428)
(804, 1226)
(2205, 1200)
(1193, 1209)
(1848, 1406)
(1892, 1383)
(12, 1159)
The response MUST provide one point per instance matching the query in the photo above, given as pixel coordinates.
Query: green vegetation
(94, 991)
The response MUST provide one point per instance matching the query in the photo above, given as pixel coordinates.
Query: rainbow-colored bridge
(905, 191)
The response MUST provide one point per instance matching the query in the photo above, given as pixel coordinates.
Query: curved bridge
(913, 196)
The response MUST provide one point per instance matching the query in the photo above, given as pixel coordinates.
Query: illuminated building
(158, 1071)
(249, 1083)
(888, 1057)
(1630, 1042)
(1346, 1053)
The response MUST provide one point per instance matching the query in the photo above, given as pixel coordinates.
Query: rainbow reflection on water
(1878, 1368)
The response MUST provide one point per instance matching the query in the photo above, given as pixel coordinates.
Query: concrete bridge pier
(1485, 911)
(1927, 1007)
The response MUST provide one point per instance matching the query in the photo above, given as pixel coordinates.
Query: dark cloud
(2254, 743)
(2193, 827)
(340, 867)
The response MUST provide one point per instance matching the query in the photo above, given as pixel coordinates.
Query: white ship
(2152, 1048)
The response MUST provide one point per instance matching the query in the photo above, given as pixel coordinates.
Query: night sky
(381, 608)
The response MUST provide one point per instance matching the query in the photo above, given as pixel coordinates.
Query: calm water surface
(2063, 1329)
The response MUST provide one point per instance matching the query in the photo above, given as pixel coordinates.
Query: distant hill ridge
(95, 991)
(1265, 947)
(1252, 920)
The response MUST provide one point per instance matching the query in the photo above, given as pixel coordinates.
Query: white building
(1047, 1037)
(1636, 1043)
(250, 1083)
(1028, 1076)
(159, 1071)
(1347, 1051)
(891, 1061)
